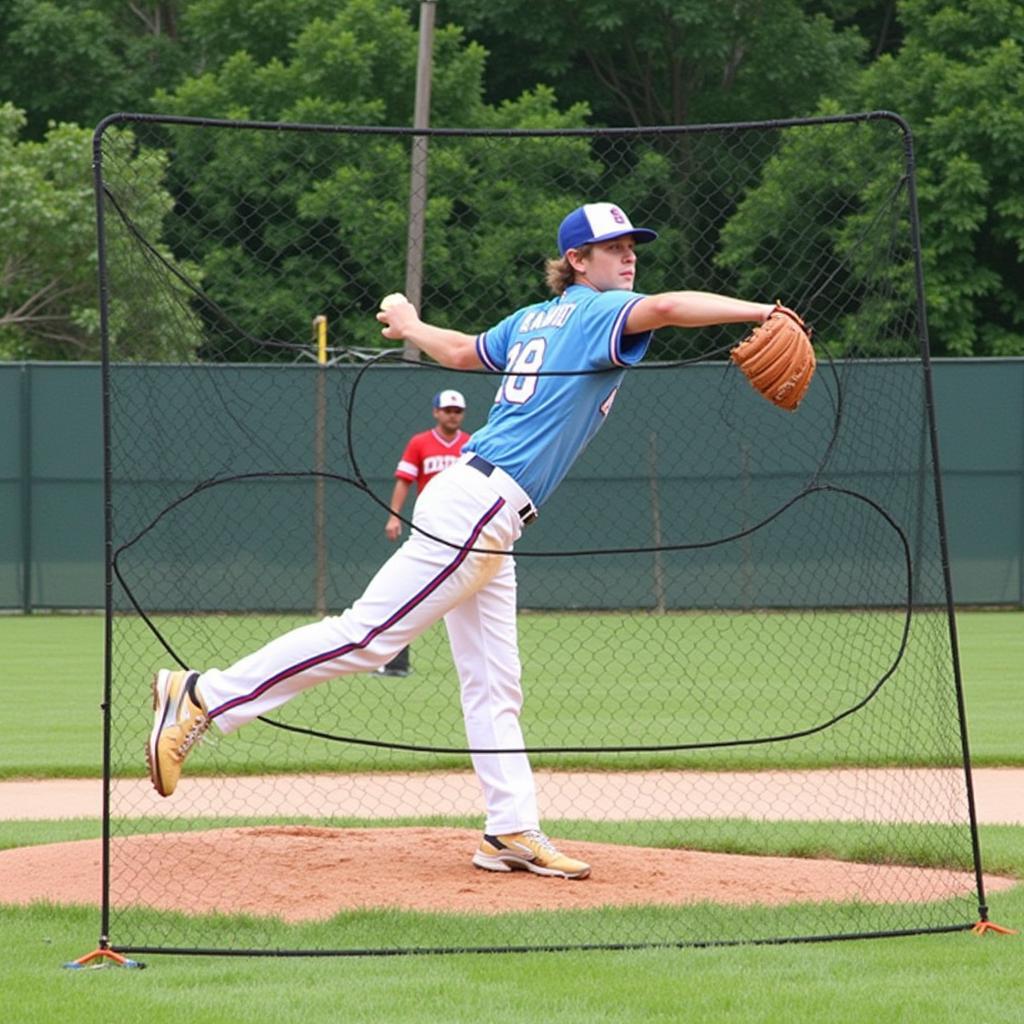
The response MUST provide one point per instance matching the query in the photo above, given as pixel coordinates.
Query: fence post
(320, 445)
(26, 488)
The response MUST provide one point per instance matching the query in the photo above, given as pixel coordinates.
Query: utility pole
(415, 244)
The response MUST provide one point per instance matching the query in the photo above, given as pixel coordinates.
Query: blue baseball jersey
(544, 413)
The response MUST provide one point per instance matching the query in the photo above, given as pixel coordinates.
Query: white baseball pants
(422, 582)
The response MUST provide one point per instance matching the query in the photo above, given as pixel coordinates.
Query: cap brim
(640, 234)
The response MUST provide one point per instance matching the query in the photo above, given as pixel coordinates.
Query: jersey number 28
(524, 362)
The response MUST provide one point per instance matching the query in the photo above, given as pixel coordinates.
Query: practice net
(742, 698)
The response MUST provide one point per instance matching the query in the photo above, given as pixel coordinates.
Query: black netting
(733, 626)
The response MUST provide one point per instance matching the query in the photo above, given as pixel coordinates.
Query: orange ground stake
(990, 926)
(103, 955)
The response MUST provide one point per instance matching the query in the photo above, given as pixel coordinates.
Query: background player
(425, 455)
(561, 364)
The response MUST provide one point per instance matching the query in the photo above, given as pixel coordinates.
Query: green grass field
(52, 727)
(944, 979)
(70, 691)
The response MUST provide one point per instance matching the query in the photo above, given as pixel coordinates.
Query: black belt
(528, 513)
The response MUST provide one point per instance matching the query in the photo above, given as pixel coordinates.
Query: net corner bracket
(984, 926)
(103, 956)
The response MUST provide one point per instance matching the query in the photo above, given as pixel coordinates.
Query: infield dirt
(320, 871)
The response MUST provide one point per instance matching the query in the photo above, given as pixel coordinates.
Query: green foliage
(79, 60)
(669, 61)
(954, 70)
(832, 195)
(959, 82)
(267, 214)
(47, 235)
(355, 66)
(214, 30)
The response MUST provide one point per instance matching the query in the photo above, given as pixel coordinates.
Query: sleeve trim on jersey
(615, 342)
(481, 351)
(406, 471)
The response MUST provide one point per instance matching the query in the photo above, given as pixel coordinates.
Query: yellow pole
(320, 326)
(320, 441)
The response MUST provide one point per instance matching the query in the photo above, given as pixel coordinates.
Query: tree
(681, 62)
(76, 61)
(212, 31)
(874, 20)
(959, 82)
(289, 225)
(48, 288)
(654, 62)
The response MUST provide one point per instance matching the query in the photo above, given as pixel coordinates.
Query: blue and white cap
(449, 399)
(598, 222)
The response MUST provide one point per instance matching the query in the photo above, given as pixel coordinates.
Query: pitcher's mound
(303, 873)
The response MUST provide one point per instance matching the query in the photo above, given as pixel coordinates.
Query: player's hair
(559, 273)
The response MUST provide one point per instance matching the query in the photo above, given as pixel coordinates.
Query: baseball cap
(598, 222)
(449, 398)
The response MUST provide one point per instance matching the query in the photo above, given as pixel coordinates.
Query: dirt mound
(304, 873)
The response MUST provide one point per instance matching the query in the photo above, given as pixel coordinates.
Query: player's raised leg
(411, 591)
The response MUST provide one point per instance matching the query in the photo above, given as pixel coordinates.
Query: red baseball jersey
(427, 454)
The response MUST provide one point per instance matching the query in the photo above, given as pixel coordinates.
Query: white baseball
(392, 300)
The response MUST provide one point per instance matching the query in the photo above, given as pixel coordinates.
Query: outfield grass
(52, 726)
(55, 669)
(943, 979)
(992, 657)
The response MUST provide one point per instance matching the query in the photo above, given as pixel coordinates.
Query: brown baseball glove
(777, 358)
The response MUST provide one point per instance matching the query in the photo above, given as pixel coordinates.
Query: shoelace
(541, 840)
(192, 737)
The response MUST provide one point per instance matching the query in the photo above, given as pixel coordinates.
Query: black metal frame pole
(108, 534)
(947, 576)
